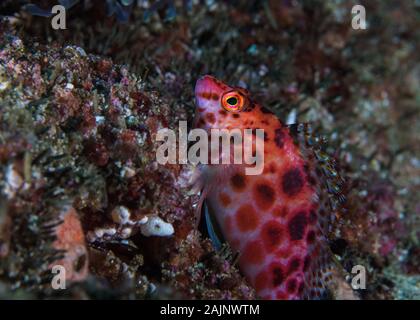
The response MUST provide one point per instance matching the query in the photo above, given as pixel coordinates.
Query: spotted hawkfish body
(274, 219)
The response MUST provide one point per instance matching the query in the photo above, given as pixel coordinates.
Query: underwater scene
(210, 150)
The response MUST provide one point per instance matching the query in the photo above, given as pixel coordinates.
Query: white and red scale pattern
(271, 219)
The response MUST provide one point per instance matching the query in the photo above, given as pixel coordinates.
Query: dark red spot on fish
(261, 281)
(279, 137)
(223, 112)
(291, 285)
(201, 109)
(294, 265)
(272, 234)
(238, 182)
(253, 253)
(210, 117)
(265, 136)
(236, 115)
(278, 276)
(310, 237)
(224, 199)
(246, 218)
(215, 96)
(264, 195)
(205, 95)
(301, 288)
(297, 226)
(202, 123)
(292, 182)
(281, 296)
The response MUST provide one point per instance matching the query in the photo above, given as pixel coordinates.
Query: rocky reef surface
(80, 109)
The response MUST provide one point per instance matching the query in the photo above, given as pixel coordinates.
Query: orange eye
(233, 101)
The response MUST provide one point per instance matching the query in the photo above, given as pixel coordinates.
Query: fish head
(219, 105)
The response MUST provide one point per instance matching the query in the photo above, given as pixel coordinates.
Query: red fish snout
(209, 88)
(206, 83)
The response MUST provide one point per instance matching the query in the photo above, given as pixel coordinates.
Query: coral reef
(78, 148)
(78, 133)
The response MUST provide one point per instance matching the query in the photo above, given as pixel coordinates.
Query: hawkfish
(276, 221)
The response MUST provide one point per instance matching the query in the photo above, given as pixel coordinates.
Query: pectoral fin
(213, 228)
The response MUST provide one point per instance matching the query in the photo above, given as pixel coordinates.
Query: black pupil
(232, 101)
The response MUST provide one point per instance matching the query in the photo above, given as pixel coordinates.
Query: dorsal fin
(324, 277)
(322, 168)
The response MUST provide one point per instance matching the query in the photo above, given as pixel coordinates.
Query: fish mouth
(208, 90)
(204, 84)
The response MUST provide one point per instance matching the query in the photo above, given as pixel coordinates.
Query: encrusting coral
(78, 149)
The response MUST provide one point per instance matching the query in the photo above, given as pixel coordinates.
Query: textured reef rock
(77, 131)
(80, 183)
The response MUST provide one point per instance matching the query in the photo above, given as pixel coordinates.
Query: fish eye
(233, 101)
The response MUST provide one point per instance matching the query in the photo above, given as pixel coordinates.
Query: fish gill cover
(80, 109)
